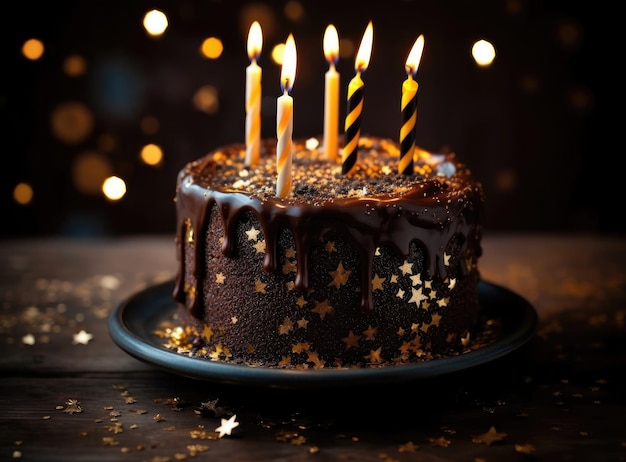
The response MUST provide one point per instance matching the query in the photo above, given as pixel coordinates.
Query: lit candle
(253, 96)
(284, 120)
(331, 94)
(409, 109)
(355, 102)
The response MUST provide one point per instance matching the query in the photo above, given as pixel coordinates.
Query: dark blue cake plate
(132, 326)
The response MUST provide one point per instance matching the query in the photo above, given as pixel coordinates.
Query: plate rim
(141, 348)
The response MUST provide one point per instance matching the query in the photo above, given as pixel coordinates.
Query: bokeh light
(33, 49)
(155, 22)
(71, 122)
(483, 52)
(212, 48)
(206, 99)
(23, 193)
(89, 171)
(151, 154)
(74, 65)
(114, 188)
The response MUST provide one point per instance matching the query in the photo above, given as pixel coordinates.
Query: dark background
(530, 126)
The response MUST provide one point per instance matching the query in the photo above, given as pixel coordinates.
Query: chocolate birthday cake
(366, 269)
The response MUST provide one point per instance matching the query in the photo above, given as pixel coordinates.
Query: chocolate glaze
(430, 211)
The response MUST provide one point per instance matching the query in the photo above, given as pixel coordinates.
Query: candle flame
(415, 56)
(365, 49)
(331, 44)
(255, 41)
(288, 71)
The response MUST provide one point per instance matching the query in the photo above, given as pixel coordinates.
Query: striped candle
(253, 96)
(409, 109)
(284, 120)
(355, 102)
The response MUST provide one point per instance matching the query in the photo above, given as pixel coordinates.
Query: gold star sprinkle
(527, 449)
(340, 276)
(260, 246)
(441, 441)
(227, 426)
(417, 296)
(82, 337)
(443, 302)
(370, 332)
(408, 447)
(416, 279)
(491, 436)
(393, 279)
(303, 323)
(322, 308)
(220, 278)
(259, 286)
(253, 234)
(285, 327)
(374, 356)
(446, 259)
(330, 247)
(452, 283)
(406, 268)
(377, 282)
(400, 293)
(352, 340)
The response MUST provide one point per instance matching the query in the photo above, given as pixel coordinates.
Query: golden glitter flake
(227, 426)
(73, 406)
(491, 436)
(82, 337)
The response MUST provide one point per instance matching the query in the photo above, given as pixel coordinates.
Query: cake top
(317, 180)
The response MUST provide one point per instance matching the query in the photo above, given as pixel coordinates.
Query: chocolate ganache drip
(371, 208)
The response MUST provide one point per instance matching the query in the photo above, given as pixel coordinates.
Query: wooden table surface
(63, 397)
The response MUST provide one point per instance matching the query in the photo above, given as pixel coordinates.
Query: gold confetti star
(400, 293)
(290, 252)
(527, 449)
(408, 447)
(220, 278)
(452, 283)
(303, 323)
(259, 286)
(377, 282)
(446, 259)
(330, 247)
(489, 437)
(253, 234)
(352, 340)
(374, 356)
(417, 297)
(289, 266)
(441, 441)
(82, 337)
(227, 426)
(285, 327)
(416, 279)
(443, 301)
(301, 301)
(322, 308)
(436, 319)
(260, 246)
(393, 279)
(406, 268)
(370, 332)
(340, 276)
